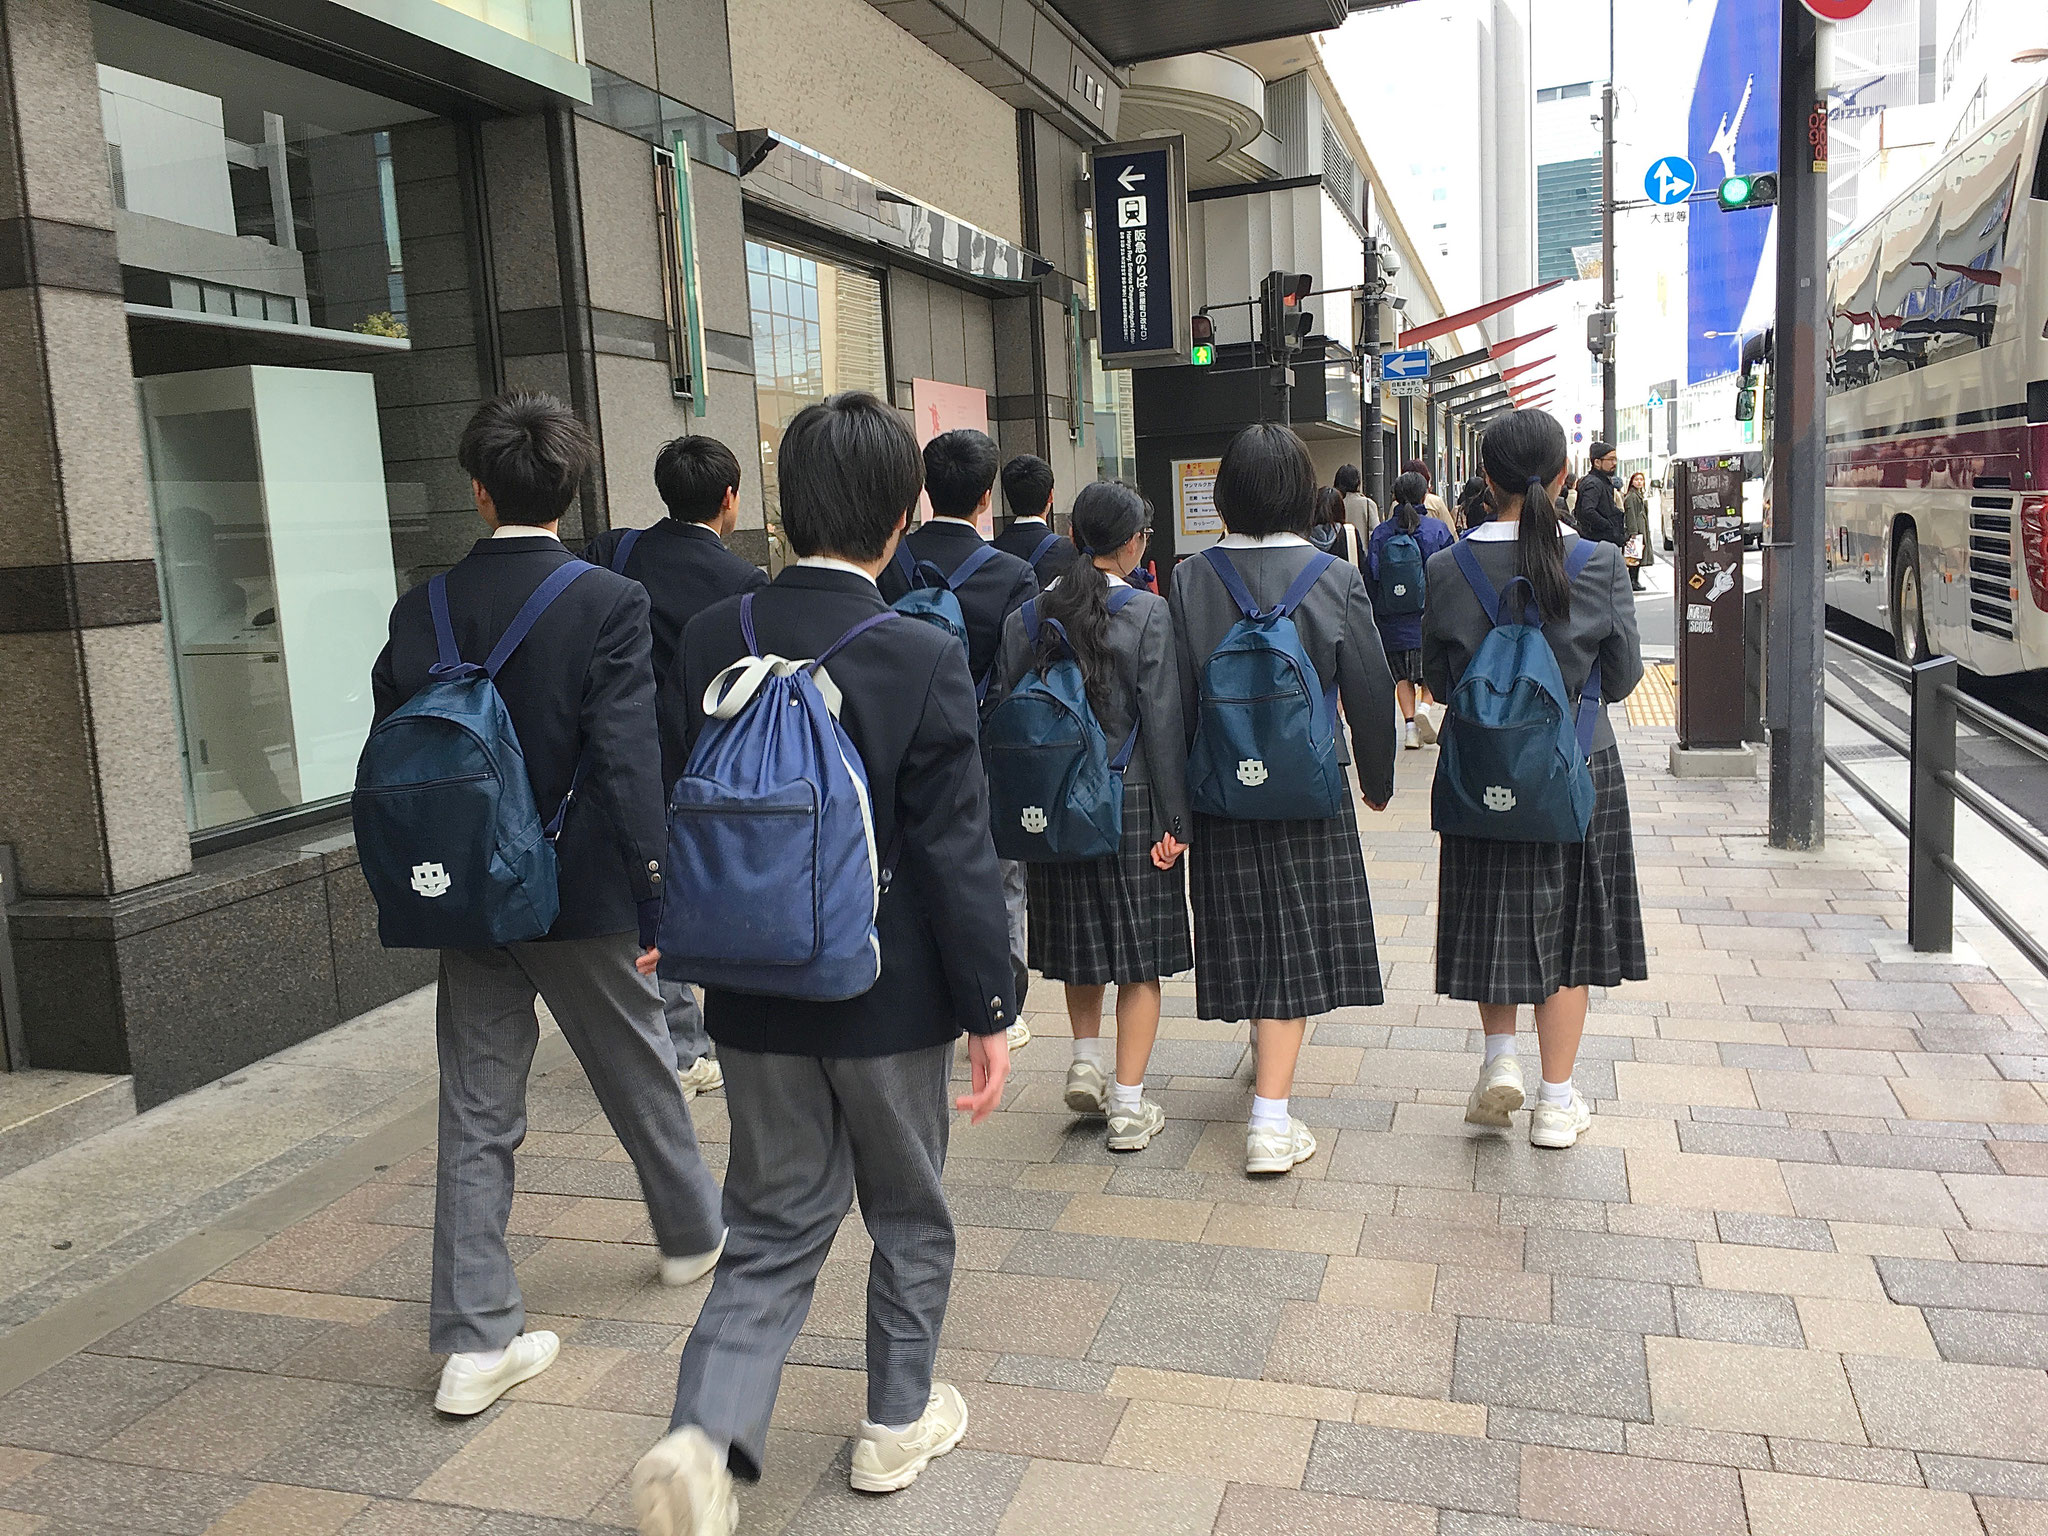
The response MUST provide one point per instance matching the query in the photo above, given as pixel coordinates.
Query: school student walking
(1535, 918)
(1269, 633)
(1028, 492)
(1396, 560)
(1122, 917)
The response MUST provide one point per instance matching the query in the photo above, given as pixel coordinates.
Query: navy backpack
(451, 842)
(774, 879)
(1266, 745)
(1045, 547)
(1513, 766)
(931, 595)
(1055, 794)
(1402, 583)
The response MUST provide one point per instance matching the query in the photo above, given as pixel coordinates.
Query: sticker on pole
(1837, 10)
(1670, 181)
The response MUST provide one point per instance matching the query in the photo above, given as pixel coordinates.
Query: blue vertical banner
(1733, 132)
(1141, 251)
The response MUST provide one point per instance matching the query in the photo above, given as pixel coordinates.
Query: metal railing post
(1930, 893)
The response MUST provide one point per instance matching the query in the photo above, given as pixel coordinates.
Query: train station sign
(1141, 251)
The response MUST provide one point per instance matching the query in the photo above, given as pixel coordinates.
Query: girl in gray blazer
(1283, 919)
(1538, 923)
(1122, 919)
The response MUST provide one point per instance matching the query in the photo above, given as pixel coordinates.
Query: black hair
(530, 453)
(1475, 502)
(1408, 491)
(1346, 479)
(1027, 485)
(1266, 483)
(959, 469)
(693, 474)
(847, 471)
(1107, 515)
(1329, 509)
(1523, 453)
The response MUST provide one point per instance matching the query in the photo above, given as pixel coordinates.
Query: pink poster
(943, 408)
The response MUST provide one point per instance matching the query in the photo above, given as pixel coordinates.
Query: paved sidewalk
(1795, 1281)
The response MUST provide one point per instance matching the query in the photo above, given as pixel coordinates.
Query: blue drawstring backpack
(1513, 766)
(774, 879)
(931, 598)
(451, 843)
(1055, 794)
(1266, 744)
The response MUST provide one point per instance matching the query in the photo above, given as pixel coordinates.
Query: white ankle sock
(1126, 1101)
(1498, 1046)
(485, 1359)
(890, 1429)
(1094, 1049)
(1554, 1093)
(1269, 1114)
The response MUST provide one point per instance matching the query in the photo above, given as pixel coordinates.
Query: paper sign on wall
(1197, 523)
(942, 408)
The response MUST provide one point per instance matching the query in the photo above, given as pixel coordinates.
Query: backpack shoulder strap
(1044, 548)
(448, 662)
(530, 611)
(1030, 614)
(872, 621)
(1579, 557)
(1120, 598)
(1591, 704)
(1233, 583)
(974, 562)
(904, 562)
(1476, 577)
(1310, 574)
(624, 552)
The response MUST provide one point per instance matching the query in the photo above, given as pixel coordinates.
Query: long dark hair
(1107, 515)
(1523, 453)
(1475, 502)
(1329, 511)
(1409, 490)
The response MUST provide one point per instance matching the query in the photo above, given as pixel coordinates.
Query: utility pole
(1610, 422)
(1369, 438)
(1797, 533)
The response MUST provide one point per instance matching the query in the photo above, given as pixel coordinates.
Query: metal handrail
(1862, 787)
(2016, 830)
(2025, 737)
(1898, 671)
(1871, 724)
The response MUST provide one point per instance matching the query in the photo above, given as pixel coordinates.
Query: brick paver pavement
(1794, 1281)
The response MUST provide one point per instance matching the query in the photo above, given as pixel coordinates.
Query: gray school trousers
(612, 1018)
(807, 1134)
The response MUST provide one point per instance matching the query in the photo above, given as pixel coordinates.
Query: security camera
(1390, 263)
(1398, 302)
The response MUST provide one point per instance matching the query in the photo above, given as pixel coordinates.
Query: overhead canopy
(1429, 330)
(1522, 368)
(1127, 31)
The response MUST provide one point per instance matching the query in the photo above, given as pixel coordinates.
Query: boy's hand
(649, 959)
(988, 1056)
(1167, 851)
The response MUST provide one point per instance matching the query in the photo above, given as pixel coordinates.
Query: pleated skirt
(1112, 920)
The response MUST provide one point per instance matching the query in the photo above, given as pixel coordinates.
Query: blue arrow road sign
(1412, 363)
(1670, 180)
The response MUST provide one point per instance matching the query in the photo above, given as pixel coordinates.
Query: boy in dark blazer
(1028, 488)
(830, 1099)
(960, 478)
(581, 696)
(683, 563)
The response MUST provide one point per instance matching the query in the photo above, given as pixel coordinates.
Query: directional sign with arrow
(1141, 251)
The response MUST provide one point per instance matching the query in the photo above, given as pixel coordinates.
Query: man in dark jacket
(1598, 510)
(581, 696)
(683, 563)
(1028, 490)
(832, 1098)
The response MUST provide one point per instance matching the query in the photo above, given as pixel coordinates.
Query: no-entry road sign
(1837, 10)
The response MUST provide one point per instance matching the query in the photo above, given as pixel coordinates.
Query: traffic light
(1758, 191)
(1600, 332)
(1284, 323)
(1202, 335)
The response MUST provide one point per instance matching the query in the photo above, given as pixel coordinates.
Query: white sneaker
(884, 1461)
(690, 1267)
(682, 1488)
(1498, 1094)
(1425, 724)
(1410, 738)
(1087, 1088)
(1559, 1125)
(1278, 1151)
(1133, 1131)
(704, 1075)
(1020, 1035)
(467, 1388)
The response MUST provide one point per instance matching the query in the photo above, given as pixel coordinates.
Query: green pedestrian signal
(1204, 354)
(1758, 191)
(1202, 341)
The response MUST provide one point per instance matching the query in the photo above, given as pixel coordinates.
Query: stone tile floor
(1794, 1281)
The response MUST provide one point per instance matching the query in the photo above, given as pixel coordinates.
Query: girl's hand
(1167, 851)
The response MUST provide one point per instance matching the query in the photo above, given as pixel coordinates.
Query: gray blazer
(1335, 621)
(1602, 623)
(1147, 690)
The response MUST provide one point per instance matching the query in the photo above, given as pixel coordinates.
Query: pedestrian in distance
(1028, 492)
(1330, 528)
(1432, 503)
(831, 1099)
(959, 479)
(1283, 917)
(1521, 921)
(1597, 509)
(1122, 918)
(685, 566)
(1635, 508)
(1475, 505)
(580, 696)
(1359, 509)
(1397, 563)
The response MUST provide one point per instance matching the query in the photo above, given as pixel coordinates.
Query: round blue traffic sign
(1670, 180)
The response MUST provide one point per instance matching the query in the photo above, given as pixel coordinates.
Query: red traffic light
(1202, 328)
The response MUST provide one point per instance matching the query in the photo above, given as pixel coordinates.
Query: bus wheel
(1909, 608)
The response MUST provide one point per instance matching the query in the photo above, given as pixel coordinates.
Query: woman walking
(1283, 919)
(1475, 505)
(1122, 919)
(1330, 529)
(1524, 922)
(1399, 598)
(1635, 514)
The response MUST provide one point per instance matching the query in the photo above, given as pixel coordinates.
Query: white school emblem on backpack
(1251, 773)
(1033, 819)
(1400, 589)
(1499, 798)
(430, 879)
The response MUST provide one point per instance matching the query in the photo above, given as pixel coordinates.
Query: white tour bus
(1937, 502)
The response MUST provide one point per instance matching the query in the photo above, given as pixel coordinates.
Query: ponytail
(1522, 454)
(1409, 488)
(1539, 554)
(1107, 515)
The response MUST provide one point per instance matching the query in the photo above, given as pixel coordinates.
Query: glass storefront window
(298, 278)
(817, 331)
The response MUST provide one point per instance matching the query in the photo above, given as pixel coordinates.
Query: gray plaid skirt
(1283, 919)
(1112, 920)
(1517, 921)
